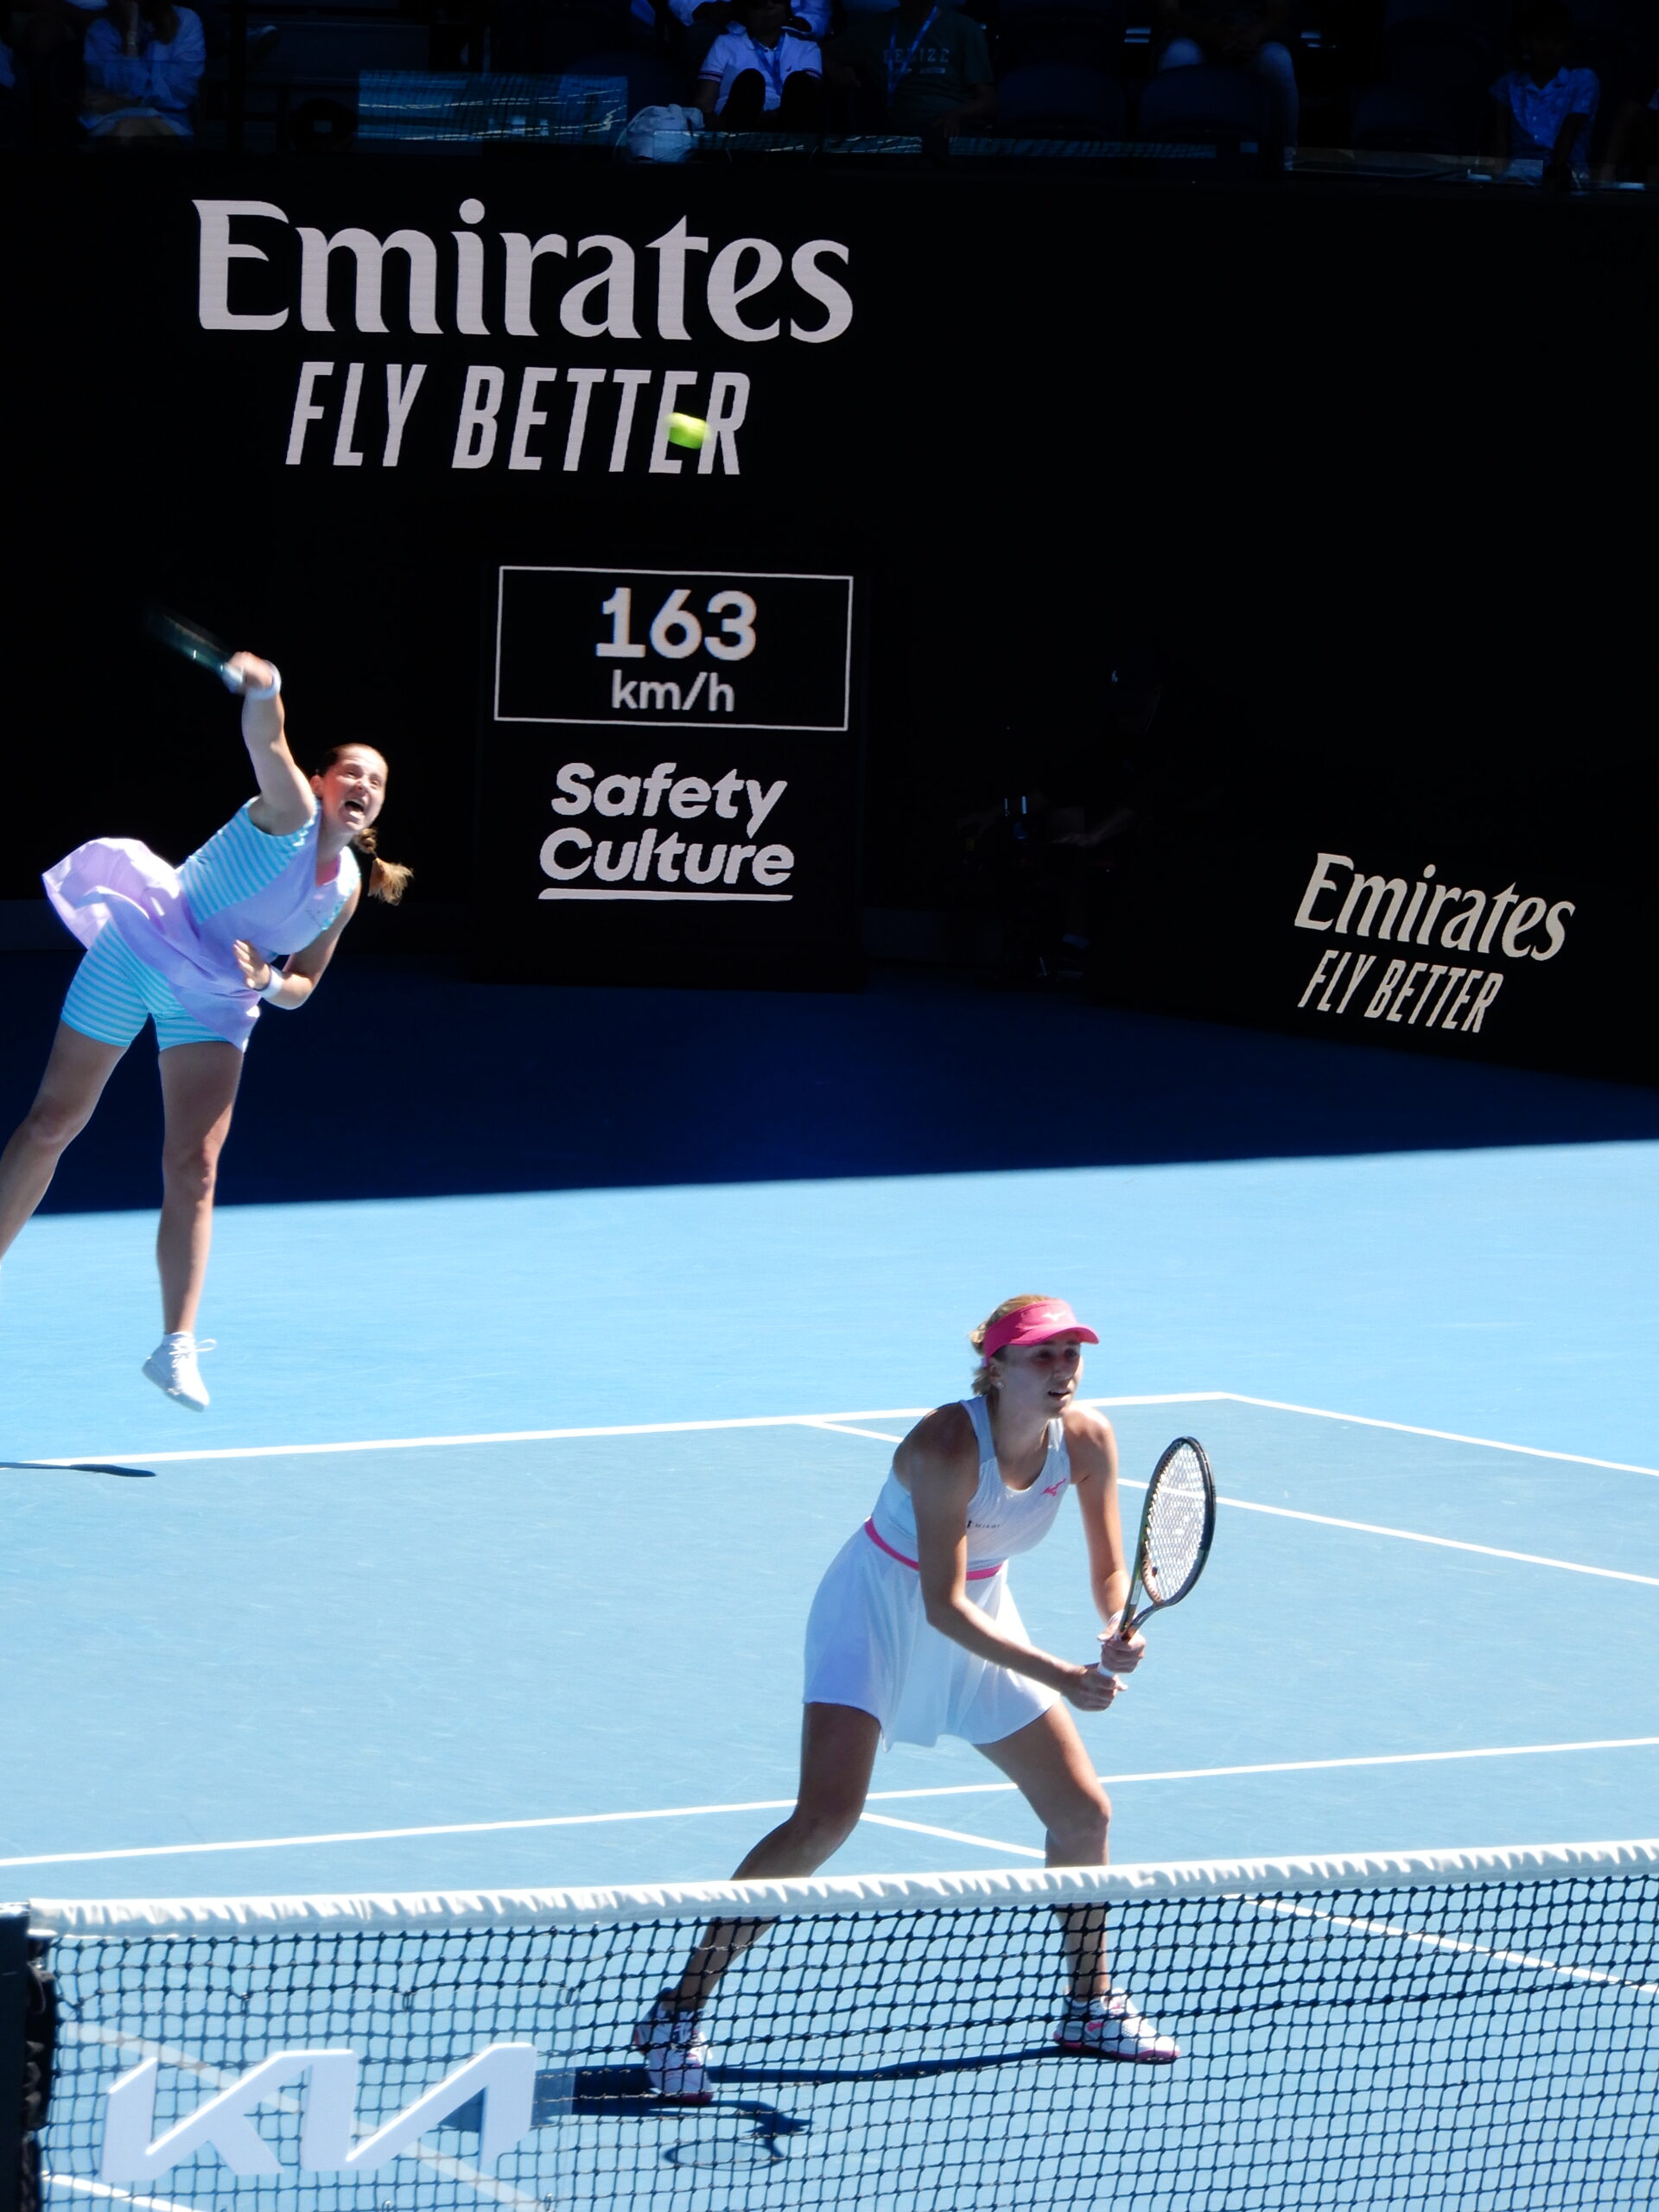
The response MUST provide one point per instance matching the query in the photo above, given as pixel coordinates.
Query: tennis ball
(687, 430)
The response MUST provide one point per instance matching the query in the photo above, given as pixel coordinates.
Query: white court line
(819, 1421)
(783, 1804)
(1442, 1543)
(88, 2188)
(558, 1435)
(845, 1428)
(1445, 1435)
(1362, 1528)
(1365, 1528)
(952, 1836)
(1427, 1942)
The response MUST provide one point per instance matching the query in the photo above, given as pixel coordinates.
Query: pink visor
(1035, 1324)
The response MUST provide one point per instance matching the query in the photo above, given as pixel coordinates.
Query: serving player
(198, 949)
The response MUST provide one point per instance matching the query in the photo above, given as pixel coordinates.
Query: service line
(783, 1804)
(822, 1420)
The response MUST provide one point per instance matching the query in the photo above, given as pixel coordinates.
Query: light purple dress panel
(278, 906)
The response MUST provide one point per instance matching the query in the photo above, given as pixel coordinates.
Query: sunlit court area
(829, 1132)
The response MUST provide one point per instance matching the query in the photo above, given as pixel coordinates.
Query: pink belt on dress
(975, 1573)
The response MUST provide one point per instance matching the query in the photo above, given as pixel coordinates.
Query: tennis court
(510, 1610)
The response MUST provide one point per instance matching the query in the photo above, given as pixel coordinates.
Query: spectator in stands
(1234, 34)
(927, 67)
(1633, 140)
(45, 42)
(760, 76)
(709, 17)
(143, 64)
(1543, 111)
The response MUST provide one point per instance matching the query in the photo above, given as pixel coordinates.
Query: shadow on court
(405, 1080)
(76, 1467)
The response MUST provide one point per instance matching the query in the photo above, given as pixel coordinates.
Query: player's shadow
(76, 1467)
(623, 2092)
(914, 2070)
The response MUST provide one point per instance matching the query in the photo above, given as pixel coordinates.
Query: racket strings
(1177, 1516)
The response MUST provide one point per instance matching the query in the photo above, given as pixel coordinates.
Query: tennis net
(1474, 2030)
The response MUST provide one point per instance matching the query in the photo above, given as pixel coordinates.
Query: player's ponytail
(385, 880)
(986, 1377)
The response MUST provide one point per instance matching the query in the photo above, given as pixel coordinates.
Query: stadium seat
(530, 37)
(1087, 34)
(1054, 99)
(1440, 45)
(1397, 119)
(1488, 20)
(652, 80)
(1206, 105)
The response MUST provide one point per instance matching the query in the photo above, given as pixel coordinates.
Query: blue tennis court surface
(488, 1569)
(576, 1656)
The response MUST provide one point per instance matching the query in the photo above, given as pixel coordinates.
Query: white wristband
(273, 989)
(254, 691)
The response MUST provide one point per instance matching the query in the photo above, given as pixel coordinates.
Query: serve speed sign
(712, 649)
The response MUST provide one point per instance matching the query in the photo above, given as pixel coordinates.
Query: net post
(14, 1980)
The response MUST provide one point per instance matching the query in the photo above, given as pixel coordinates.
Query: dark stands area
(437, 1086)
(1389, 85)
(1252, 581)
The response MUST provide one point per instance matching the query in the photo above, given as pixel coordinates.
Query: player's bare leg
(76, 1072)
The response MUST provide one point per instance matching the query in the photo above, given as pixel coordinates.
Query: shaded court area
(404, 1079)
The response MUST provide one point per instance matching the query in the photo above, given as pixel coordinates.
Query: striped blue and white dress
(158, 938)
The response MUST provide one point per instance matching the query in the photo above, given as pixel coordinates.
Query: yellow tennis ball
(687, 430)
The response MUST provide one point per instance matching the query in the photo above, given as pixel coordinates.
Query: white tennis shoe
(1109, 2027)
(675, 2052)
(172, 1367)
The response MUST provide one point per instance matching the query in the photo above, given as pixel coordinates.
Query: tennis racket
(1177, 1525)
(193, 641)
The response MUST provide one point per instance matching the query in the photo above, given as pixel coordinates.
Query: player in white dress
(914, 1634)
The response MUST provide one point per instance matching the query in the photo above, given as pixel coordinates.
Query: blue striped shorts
(113, 993)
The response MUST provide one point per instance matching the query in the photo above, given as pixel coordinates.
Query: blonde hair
(384, 880)
(985, 1374)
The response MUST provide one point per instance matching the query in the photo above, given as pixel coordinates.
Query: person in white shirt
(759, 76)
(143, 63)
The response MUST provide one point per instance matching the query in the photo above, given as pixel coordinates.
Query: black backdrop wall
(1369, 470)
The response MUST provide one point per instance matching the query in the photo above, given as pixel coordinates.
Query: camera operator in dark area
(1109, 802)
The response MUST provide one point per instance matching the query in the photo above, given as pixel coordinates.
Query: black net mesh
(1490, 2047)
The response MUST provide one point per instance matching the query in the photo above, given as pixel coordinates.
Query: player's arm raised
(285, 800)
(939, 1462)
(1093, 1448)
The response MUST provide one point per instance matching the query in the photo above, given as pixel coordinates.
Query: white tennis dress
(868, 1641)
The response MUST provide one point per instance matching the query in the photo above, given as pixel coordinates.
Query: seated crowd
(1511, 79)
(109, 72)
(1537, 84)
